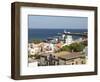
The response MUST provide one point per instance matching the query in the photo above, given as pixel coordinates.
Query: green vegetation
(30, 56)
(36, 41)
(65, 48)
(36, 56)
(75, 47)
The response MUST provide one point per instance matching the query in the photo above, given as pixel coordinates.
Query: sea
(43, 34)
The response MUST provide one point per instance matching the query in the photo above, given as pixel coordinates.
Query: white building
(85, 50)
(33, 64)
(48, 47)
(63, 35)
(68, 40)
(33, 49)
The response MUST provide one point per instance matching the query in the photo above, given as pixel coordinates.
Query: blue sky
(57, 22)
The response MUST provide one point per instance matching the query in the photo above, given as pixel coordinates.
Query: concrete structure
(68, 40)
(48, 47)
(74, 58)
(85, 50)
(33, 49)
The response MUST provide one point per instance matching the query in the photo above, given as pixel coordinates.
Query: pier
(74, 34)
(77, 34)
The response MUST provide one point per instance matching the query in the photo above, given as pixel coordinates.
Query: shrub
(76, 47)
(36, 41)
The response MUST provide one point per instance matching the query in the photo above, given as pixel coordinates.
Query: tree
(76, 47)
(36, 41)
(65, 48)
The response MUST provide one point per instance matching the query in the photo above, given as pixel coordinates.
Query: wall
(5, 40)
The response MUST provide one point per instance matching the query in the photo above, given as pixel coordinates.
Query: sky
(57, 22)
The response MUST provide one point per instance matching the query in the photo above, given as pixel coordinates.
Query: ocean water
(44, 34)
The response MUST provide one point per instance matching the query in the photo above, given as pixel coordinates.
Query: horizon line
(57, 28)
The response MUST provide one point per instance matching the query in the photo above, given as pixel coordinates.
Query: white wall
(5, 38)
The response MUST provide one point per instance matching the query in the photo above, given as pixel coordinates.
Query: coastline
(61, 50)
(43, 34)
